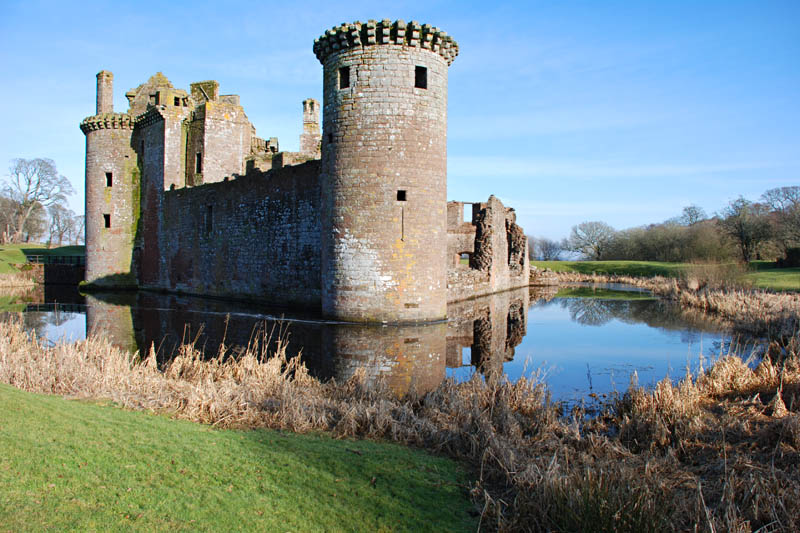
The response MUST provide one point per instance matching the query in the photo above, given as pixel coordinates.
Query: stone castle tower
(112, 190)
(383, 174)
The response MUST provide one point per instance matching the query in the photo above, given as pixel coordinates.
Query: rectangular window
(421, 77)
(107, 220)
(344, 77)
(176, 101)
(209, 218)
(401, 196)
(109, 179)
(198, 163)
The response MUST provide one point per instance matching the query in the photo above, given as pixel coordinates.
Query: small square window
(401, 195)
(107, 220)
(109, 179)
(344, 77)
(421, 77)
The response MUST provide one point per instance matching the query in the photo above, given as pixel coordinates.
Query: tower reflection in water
(404, 357)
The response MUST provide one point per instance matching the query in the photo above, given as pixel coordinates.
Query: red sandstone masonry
(384, 177)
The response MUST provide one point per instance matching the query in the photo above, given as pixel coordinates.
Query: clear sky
(568, 111)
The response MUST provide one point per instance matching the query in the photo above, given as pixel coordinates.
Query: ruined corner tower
(112, 190)
(384, 171)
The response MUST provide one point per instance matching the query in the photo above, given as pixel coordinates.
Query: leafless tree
(747, 224)
(32, 183)
(62, 223)
(591, 239)
(785, 205)
(546, 249)
(77, 236)
(691, 215)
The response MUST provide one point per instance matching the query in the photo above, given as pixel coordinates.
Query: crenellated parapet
(149, 117)
(411, 34)
(108, 121)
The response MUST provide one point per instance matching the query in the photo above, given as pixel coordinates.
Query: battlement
(108, 121)
(149, 117)
(412, 34)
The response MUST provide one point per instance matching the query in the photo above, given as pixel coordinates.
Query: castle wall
(253, 237)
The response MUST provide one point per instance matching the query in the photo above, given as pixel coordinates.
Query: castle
(182, 196)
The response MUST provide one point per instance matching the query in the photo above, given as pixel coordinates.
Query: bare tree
(785, 205)
(77, 235)
(691, 215)
(32, 183)
(546, 249)
(591, 239)
(62, 223)
(747, 224)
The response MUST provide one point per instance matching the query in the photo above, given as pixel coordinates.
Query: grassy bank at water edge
(16, 254)
(67, 465)
(760, 274)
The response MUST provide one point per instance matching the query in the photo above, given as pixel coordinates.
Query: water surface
(582, 340)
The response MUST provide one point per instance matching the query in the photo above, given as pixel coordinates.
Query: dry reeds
(15, 280)
(719, 452)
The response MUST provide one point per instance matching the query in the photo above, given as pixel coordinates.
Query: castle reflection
(406, 358)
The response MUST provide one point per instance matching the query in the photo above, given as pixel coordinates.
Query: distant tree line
(743, 230)
(33, 205)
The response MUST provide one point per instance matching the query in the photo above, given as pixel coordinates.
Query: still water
(580, 340)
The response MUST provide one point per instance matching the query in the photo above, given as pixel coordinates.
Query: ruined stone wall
(499, 259)
(460, 235)
(384, 173)
(253, 237)
(112, 210)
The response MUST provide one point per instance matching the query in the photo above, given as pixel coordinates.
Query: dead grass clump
(707, 454)
(719, 276)
(18, 280)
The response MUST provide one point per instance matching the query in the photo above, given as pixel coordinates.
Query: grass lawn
(76, 466)
(11, 254)
(763, 274)
(620, 268)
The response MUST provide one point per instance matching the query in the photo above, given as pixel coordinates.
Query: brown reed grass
(11, 281)
(715, 453)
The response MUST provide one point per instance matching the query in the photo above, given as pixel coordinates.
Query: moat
(585, 342)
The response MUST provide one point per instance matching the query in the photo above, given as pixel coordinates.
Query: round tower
(384, 171)
(112, 191)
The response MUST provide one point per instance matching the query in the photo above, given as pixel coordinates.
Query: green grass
(74, 466)
(11, 254)
(602, 294)
(766, 276)
(763, 274)
(619, 268)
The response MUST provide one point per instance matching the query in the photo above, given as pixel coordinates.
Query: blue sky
(568, 111)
